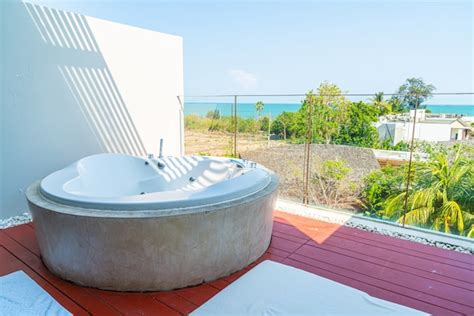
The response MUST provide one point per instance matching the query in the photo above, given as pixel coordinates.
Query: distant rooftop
(440, 120)
(426, 118)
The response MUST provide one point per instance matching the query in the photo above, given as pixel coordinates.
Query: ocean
(274, 109)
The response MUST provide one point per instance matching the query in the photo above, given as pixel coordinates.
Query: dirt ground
(285, 159)
(213, 143)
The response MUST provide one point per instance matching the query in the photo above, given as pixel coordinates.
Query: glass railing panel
(208, 126)
(342, 135)
(409, 168)
(440, 190)
(264, 137)
(352, 153)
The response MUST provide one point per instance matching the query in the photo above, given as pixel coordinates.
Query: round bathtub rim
(34, 196)
(52, 187)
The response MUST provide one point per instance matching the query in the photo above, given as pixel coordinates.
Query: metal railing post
(405, 208)
(235, 126)
(307, 151)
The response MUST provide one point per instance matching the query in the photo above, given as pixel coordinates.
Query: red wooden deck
(426, 278)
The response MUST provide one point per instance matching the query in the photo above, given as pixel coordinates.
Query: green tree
(413, 93)
(396, 104)
(358, 128)
(328, 109)
(263, 123)
(213, 114)
(282, 125)
(259, 106)
(330, 182)
(379, 185)
(442, 194)
(379, 102)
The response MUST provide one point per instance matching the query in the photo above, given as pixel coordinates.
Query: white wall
(433, 132)
(396, 131)
(72, 86)
(402, 131)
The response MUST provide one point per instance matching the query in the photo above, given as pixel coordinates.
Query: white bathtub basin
(121, 182)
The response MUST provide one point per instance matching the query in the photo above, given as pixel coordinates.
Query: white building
(400, 128)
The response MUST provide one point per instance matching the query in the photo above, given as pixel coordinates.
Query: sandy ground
(210, 143)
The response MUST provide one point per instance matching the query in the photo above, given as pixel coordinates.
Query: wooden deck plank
(219, 284)
(197, 295)
(400, 271)
(374, 290)
(382, 272)
(135, 303)
(278, 252)
(25, 235)
(276, 233)
(284, 244)
(10, 263)
(379, 283)
(421, 266)
(427, 250)
(455, 259)
(289, 230)
(413, 265)
(312, 228)
(79, 294)
(176, 302)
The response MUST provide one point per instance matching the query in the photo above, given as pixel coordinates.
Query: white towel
(20, 295)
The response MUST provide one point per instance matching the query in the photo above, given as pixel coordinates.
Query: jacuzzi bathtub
(120, 182)
(126, 223)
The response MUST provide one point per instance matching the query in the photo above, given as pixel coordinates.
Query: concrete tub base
(152, 250)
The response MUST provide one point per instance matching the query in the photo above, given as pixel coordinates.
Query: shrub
(379, 185)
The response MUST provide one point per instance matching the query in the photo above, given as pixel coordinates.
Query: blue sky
(290, 47)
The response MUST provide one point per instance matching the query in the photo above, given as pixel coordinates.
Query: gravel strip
(410, 237)
(15, 220)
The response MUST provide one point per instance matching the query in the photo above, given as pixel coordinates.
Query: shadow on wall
(59, 101)
(91, 83)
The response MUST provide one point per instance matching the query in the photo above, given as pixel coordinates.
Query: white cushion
(272, 288)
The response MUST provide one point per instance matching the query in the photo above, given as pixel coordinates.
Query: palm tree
(441, 197)
(259, 108)
(383, 106)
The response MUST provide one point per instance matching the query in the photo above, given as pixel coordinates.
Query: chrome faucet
(161, 148)
(160, 164)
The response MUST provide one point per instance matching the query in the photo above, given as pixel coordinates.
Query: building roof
(438, 121)
(446, 121)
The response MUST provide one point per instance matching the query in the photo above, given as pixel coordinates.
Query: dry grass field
(218, 143)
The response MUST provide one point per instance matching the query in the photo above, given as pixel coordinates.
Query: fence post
(235, 126)
(405, 208)
(307, 150)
